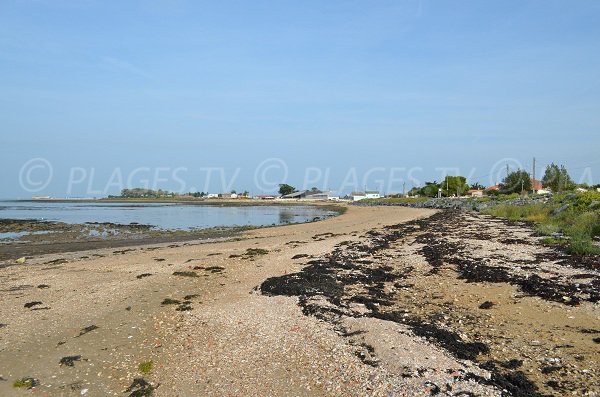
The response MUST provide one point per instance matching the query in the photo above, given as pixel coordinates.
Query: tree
(477, 186)
(557, 178)
(430, 189)
(415, 191)
(516, 182)
(454, 185)
(285, 189)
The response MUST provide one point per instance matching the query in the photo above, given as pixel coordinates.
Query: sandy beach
(377, 301)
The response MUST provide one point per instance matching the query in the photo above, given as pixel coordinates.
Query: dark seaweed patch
(299, 256)
(69, 361)
(251, 252)
(58, 261)
(185, 274)
(550, 369)
(122, 252)
(214, 269)
(87, 329)
(140, 388)
(140, 276)
(512, 364)
(43, 286)
(169, 301)
(486, 305)
(29, 305)
(184, 307)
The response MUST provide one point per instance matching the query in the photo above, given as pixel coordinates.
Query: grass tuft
(145, 367)
(25, 383)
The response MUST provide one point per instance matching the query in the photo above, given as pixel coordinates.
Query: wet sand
(361, 304)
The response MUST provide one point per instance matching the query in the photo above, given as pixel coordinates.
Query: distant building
(357, 196)
(296, 195)
(212, 195)
(228, 195)
(309, 195)
(371, 194)
(40, 197)
(496, 187)
(475, 193)
(536, 185)
(265, 197)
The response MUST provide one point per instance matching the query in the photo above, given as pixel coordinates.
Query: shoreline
(73, 237)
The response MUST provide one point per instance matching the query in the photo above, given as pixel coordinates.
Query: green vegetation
(574, 216)
(285, 189)
(557, 179)
(147, 193)
(430, 189)
(397, 200)
(25, 383)
(516, 182)
(145, 367)
(451, 186)
(454, 186)
(530, 213)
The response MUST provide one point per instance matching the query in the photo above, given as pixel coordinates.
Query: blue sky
(344, 93)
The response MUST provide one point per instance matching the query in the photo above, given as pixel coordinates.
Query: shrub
(583, 246)
(585, 199)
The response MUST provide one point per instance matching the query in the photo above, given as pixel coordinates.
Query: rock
(560, 209)
(487, 305)
(21, 260)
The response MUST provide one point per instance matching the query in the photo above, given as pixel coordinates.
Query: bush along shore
(570, 220)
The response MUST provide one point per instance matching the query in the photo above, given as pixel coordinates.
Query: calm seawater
(161, 215)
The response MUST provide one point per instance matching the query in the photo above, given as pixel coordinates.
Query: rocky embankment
(464, 203)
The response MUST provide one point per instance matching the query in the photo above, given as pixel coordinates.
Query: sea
(167, 216)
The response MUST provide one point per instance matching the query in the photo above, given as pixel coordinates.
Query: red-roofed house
(489, 189)
(536, 185)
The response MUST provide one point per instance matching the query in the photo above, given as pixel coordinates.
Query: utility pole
(533, 177)
(507, 170)
(403, 189)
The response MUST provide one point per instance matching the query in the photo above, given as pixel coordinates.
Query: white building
(371, 194)
(357, 196)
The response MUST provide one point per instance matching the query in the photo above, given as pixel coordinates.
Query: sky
(96, 96)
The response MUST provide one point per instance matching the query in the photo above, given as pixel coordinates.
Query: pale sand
(99, 290)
